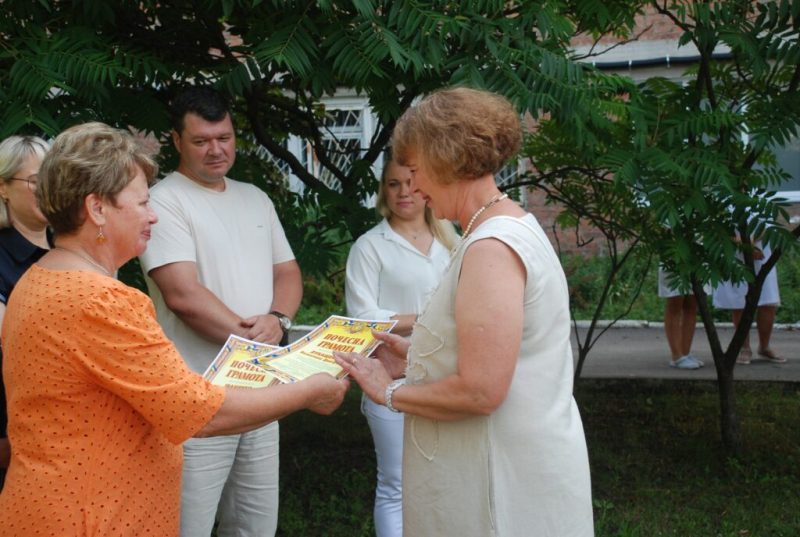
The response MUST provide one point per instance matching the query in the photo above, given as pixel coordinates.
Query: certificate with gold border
(233, 365)
(313, 353)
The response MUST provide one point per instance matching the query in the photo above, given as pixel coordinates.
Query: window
(346, 132)
(789, 159)
(344, 141)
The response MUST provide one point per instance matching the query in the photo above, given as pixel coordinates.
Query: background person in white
(680, 320)
(730, 296)
(218, 263)
(391, 271)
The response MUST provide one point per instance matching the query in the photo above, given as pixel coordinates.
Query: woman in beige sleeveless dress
(493, 441)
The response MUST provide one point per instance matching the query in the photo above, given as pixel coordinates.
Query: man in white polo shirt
(218, 263)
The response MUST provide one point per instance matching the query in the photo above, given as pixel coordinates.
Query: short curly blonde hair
(460, 133)
(91, 158)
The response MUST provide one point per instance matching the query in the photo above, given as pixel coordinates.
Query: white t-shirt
(233, 236)
(387, 276)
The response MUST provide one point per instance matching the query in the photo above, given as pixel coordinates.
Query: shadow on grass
(327, 473)
(657, 465)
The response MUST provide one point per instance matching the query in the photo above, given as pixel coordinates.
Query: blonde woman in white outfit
(493, 442)
(391, 270)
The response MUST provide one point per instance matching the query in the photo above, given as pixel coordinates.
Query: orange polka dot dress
(99, 401)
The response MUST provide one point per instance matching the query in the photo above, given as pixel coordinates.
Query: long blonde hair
(442, 230)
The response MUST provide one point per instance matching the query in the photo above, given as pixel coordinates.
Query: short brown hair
(91, 158)
(460, 133)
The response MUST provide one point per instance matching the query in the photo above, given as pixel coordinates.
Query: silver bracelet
(387, 395)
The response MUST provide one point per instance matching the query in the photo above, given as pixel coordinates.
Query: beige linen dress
(523, 470)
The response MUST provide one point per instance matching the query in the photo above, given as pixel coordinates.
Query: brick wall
(652, 26)
(586, 241)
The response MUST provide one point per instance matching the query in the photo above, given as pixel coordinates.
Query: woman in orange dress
(99, 400)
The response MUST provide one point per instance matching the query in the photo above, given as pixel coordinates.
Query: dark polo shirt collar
(16, 255)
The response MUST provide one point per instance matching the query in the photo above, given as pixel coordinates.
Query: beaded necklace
(499, 197)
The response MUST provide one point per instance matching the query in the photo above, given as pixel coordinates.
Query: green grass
(657, 465)
(324, 296)
(327, 473)
(585, 280)
(658, 468)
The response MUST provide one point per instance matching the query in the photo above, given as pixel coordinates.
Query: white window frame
(369, 122)
(304, 151)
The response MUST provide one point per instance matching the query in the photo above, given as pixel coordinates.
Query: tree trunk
(582, 353)
(729, 417)
(724, 363)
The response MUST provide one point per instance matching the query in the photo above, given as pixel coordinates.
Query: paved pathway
(643, 353)
(634, 351)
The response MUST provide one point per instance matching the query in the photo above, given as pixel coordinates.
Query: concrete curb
(635, 349)
(303, 329)
(633, 323)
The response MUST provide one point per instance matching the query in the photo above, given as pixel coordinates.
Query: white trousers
(387, 433)
(235, 477)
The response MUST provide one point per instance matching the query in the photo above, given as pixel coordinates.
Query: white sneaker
(696, 359)
(685, 362)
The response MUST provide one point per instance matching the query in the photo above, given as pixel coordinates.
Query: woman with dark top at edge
(99, 400)
(391, 271)
(23, 237)
(493, 441)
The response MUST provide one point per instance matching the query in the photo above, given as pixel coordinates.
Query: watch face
(285, 322)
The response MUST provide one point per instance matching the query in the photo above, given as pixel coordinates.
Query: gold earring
(101, 238)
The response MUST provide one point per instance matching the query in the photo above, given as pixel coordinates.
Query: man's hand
(264, 328)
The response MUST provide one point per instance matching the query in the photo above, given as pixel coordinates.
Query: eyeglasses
(33, 181)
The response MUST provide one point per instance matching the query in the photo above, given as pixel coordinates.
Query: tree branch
(592, 54)
(277, 149)
(320, 150)
(381, 138)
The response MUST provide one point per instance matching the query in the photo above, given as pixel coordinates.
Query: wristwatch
(286, 322)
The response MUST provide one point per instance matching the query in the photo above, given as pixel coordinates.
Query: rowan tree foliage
(716, 139)
(686, 169)
(675, 169)
(582, 181)
(121, 61)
